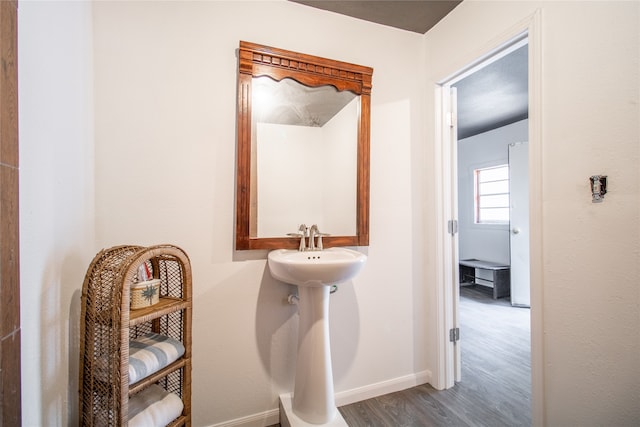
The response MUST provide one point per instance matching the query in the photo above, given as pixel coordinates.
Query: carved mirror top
(258, 60)
(349, 80)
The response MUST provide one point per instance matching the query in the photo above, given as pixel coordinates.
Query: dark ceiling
(493, 96)
(417, 16)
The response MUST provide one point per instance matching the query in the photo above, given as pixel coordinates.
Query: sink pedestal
(313, 398)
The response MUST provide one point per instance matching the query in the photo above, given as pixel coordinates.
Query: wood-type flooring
(495, 389)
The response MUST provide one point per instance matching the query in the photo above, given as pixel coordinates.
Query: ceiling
(417, 16)
(493, 96)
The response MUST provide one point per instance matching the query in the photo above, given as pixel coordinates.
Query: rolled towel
(150, 353)
(154, 407)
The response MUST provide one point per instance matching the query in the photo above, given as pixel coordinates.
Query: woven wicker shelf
(179, 422)
(165, 306)
(152, 379)
(108, 325)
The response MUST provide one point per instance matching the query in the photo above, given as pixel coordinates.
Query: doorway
(493, 247)
(488, 108)
(447, 261)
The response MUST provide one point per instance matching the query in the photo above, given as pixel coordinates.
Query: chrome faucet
(302, 233)
(313, 232)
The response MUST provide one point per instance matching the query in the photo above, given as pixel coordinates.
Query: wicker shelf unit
(108, 324)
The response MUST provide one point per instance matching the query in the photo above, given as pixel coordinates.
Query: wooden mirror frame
(256, 60)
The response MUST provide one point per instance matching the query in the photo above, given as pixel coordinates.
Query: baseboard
(262, 419)
(370, 391)
(346, 397)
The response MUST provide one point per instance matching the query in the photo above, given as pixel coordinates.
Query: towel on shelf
(150, 353)
(154, 406)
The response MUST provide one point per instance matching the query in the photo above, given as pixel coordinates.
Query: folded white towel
(154, 407)
(150, 353)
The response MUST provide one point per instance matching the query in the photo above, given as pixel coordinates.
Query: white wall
(57, 239)
(488, 242)
(284, 178)
(165, 108)
(165, 162)
(590, 252)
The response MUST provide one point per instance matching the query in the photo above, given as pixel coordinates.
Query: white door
(519, 223)
(450, 295)
(457, 351)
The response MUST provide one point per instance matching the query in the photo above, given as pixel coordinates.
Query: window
(492, 195)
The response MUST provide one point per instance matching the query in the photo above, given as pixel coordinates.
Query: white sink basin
(315, 268)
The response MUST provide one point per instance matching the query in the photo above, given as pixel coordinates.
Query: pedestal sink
(314, 272)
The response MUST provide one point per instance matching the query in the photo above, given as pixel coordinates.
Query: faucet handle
(301, 234)
(319, 245)
(313, 232)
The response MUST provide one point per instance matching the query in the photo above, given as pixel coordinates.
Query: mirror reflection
(297, 132)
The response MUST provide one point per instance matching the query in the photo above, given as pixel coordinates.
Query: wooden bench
(501, 282)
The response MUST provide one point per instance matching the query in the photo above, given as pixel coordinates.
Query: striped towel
(154, 406)
(150, 353)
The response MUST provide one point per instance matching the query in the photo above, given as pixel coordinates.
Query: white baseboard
(262, 419)
(370, 391)
(346, 397)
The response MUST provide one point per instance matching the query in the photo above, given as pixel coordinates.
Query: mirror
(296, 130)
(303, 148)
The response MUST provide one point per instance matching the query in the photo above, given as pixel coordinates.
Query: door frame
(446, 205)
